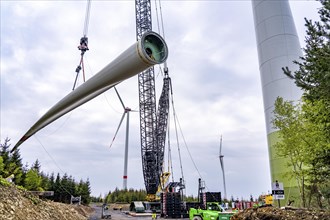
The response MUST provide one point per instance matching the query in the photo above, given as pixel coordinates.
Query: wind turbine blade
(221, 163)
(134, 60)
(222, 168)
(121, 120)
(220, 145)
(119, 98)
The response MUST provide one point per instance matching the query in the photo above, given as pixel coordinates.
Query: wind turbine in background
(222, 168)
(126, 112)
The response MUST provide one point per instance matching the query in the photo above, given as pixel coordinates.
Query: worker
(154, 215)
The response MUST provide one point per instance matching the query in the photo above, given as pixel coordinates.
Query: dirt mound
(16, 204)
(119, 206)
(272, 213)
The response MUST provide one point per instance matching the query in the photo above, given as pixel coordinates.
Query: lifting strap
(83, 47)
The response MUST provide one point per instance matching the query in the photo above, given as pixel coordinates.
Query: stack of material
(171, 205)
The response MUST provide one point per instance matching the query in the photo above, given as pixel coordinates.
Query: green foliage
(4, 182)
(97, 199)
(190, 199)
(288, 119)
(45, 181)
(305, 129)
(36, 166)
(33, 181)
(126, 196)
(2, 165)
(4, 153)
(83, 189)
(33, 199)
(306, 147)
(318, 154)
(325, 191)
(313, 75)
(66, 188)
(17, 169)
(21, 188)
(12, 163)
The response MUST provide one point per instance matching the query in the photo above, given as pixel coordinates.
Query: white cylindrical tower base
(278, 46)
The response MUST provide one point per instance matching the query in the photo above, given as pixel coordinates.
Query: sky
(213, 65)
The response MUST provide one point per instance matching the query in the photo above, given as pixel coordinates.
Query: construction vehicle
(213, 211)
(208, 206)
(153, 123)
(105, 212)
(266, 200)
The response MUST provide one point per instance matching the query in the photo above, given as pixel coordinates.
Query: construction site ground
(284, 213)
(261, 213)
(117, 214)
(18, 204)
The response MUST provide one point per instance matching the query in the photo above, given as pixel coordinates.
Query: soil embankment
(272, 213)
(16, 204)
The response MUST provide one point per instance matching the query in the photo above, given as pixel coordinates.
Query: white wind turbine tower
(126, 112)
(222, 168)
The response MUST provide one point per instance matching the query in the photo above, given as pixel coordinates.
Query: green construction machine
(213, 211)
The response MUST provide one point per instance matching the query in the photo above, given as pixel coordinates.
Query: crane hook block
(83, 44)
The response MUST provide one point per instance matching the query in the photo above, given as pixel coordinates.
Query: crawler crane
(153, 124)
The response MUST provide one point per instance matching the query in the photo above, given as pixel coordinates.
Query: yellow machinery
(161, 188)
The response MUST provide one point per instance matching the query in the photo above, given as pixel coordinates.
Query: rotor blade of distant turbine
(121, 101)
(221, 163)
(220, 145)
(151, 49)
(121, 121)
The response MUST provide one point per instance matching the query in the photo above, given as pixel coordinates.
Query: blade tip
(24, 138)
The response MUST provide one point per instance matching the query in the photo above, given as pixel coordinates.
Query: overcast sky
(213, 64)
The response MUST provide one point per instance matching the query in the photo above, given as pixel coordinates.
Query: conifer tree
(4, 153)
(51, 182)
(36, 166)
(83, 190)
(45, 181)
(17, 167)
(2, 166)
(12, 163)
(65, 187)
(57, 188)
(33, 181)
(313, 75)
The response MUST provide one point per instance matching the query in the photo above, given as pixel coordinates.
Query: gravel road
(119, 215)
